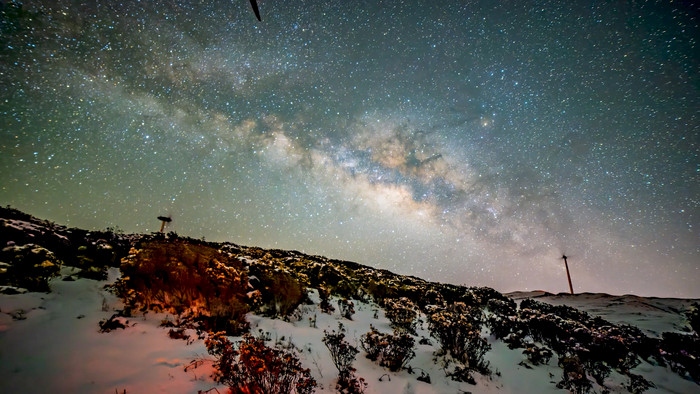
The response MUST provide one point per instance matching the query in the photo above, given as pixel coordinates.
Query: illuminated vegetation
(193, 280)
(211, 286)
(254, 368)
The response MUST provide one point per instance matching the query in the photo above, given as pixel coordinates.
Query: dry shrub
(346, 307)
(343, 354)
(185, 278)
(402, 314)
(457, 328)
(392, 351)
(281, 292)
(29, 266)
(256, 368)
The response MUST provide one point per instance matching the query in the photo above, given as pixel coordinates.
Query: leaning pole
(568, 275)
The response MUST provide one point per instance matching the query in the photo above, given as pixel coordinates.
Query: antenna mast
(164, 220)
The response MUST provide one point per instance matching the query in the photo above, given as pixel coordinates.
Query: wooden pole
(568, 276)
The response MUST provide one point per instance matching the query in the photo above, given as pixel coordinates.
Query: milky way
(465, 142)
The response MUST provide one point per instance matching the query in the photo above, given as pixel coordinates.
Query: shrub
(351, 385)
(113, 323)
(693, 315)
(504, 323)
(402, 314)
(379, 290)
(343, 355)
(29, 266)
(432, 297)
(638, 384)
(538, 355)
(593, 344)
(186, 278)
(574, 376)
(373, 343)
(392, 351)
(681, 352)
(257, 368)
(94, 259)
(347, 308)
(457, 328)
(178, 333)
(281, 292)
(325, 305)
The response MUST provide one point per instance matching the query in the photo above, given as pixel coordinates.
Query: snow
(30, 228)
(21, 225)
(57, 347)
(652, 315)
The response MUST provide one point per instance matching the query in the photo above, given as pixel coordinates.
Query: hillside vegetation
(213, 288)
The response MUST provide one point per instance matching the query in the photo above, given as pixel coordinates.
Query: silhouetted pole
(164, 220)
(568, 276)
(254, 4)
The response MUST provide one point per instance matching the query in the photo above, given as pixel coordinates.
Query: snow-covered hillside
(90, 334)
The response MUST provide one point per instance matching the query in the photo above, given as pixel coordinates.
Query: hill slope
(136, 313)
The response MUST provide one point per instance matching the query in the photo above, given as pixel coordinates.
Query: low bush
(113, 323)
(693, 315)
(574, 376)
(681, 352)
(587, 346)
(638, 384)
(325, 305)
(402, 314)
(29, 266)
(379, 290)
(256, 368)
(457, 329)
(432, 297)
(343, 354)
(538, 355)
(183, 278)
(346, 307)
(392, 351)
(281, 292)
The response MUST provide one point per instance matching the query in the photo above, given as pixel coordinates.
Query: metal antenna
(568, 275)
(164, 219)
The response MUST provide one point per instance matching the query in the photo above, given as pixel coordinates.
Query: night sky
(469, 142)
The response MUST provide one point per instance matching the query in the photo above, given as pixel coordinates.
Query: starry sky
(469, 142)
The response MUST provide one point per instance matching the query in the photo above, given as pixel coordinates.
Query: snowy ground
(51, 343)
(652, 315)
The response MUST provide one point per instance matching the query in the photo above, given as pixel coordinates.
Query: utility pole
(568, 276)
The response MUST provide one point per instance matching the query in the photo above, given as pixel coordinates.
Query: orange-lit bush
(255, 368)
(189, 279)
